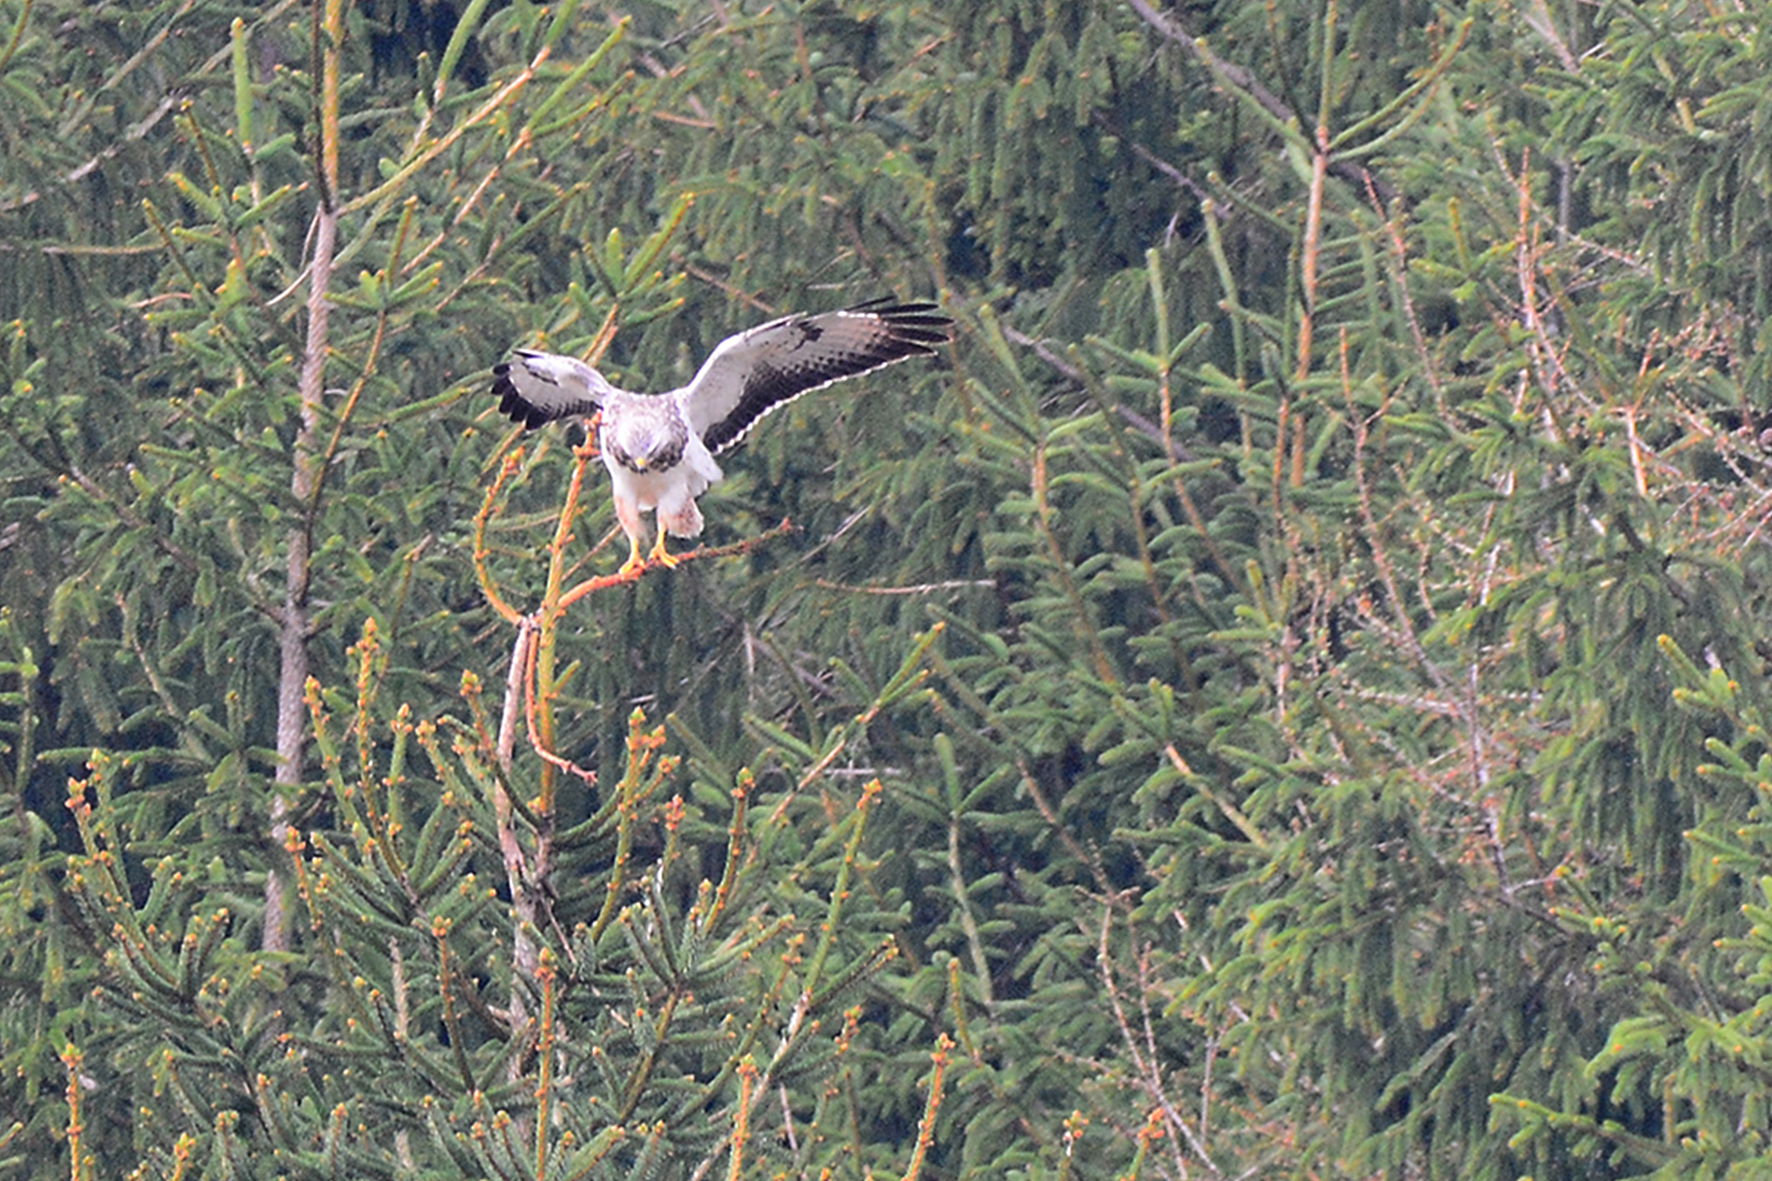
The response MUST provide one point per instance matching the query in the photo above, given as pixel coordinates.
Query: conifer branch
(488, 504)
(939, 1058)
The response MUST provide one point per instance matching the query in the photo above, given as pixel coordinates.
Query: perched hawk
(660, 448)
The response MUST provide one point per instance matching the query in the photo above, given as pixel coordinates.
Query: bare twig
(604, 581)
(305, 481)
(920, 589)
(527, 675)
(1142, 1049)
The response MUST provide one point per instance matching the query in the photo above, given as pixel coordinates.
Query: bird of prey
(660, 448)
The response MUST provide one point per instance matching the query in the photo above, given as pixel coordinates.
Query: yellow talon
(635, 560)
(658, 553)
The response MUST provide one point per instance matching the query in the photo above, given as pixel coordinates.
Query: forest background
(1282, 695)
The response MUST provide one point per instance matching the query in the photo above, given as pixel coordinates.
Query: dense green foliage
(1283, 695)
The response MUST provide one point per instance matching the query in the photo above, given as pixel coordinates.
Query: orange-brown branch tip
(633, 573)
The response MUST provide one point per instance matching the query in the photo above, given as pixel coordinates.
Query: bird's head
(643, 440)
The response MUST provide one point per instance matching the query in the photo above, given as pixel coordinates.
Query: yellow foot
(658, 553)
(635, 559)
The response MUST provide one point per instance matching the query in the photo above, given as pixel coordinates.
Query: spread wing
(770, 365)
(534, 388)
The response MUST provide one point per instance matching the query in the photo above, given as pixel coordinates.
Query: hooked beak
(641, 462)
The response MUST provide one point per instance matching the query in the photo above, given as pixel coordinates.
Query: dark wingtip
(888, 305)
(511, 403)
(920, 335)
(918, 321)
(923, 329)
